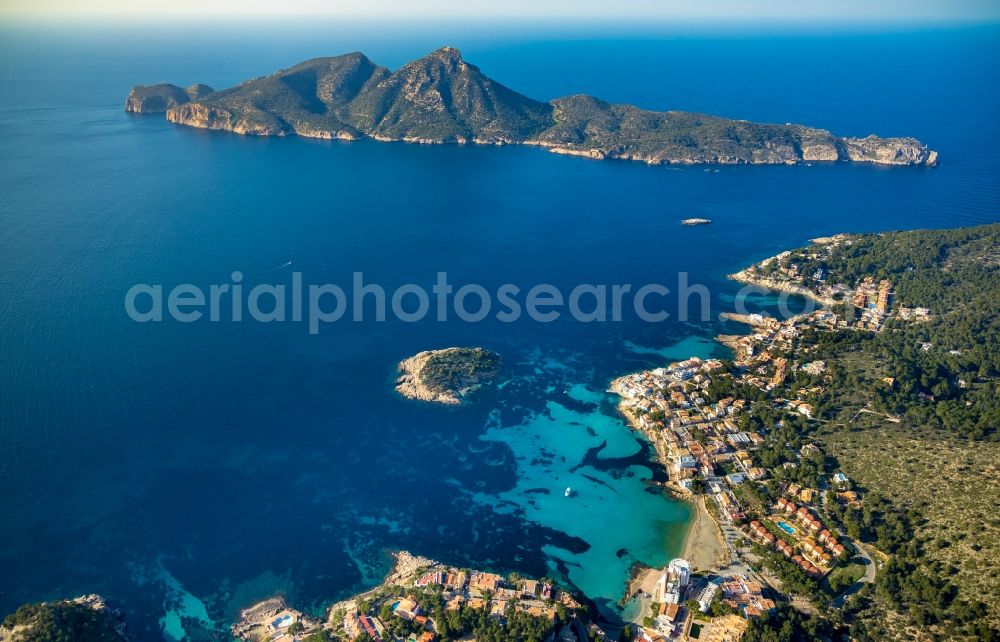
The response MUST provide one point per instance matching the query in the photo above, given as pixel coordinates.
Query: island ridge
(440, 98)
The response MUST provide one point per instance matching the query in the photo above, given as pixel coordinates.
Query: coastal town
(783, 544)
(422, 600)
(699, 415)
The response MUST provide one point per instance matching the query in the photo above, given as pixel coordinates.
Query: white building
(673, 581)
(681, 570)
(707, 595)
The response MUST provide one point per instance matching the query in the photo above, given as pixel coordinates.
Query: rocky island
(87, 618)
(446, 376)
(441, 98)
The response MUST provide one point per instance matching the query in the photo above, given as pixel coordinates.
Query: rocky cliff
(441, 98)
(87, 618)
(157, 99)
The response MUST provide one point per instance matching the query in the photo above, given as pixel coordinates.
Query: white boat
(569, 491)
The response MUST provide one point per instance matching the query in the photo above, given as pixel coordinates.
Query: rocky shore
(406, 568)
(87, 615)
(446, 376)
(411, 602)
(442, 99)
(750, 277)
(162, 98)
(258, 620)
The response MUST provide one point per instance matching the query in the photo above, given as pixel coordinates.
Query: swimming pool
(281, 622)
(785, 527)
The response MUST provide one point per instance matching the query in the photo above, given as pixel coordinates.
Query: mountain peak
(442, 98)
(449, 54)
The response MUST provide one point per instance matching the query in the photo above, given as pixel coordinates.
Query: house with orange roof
(485, 581)
(498, 608)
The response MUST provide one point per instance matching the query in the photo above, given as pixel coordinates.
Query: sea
(185, 470)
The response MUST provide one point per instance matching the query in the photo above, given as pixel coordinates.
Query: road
(867, 578)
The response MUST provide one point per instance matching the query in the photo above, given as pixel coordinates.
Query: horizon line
(729, 23)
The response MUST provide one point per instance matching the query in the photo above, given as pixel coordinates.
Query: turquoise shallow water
(610, 506)
(185, 470)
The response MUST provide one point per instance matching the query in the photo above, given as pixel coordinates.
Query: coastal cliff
(87, 618)
(161, 98)
(441, 98)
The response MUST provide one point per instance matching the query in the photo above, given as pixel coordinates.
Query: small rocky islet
(441, 98)
(447, 376)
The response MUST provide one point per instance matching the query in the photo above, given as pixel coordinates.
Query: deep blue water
(176, 467)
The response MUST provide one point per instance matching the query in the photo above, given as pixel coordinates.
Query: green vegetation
(842, 577)
(945, 372)
(794, 580)
(463, 103)
(911, 414)
(151, 99)
(943, 561)
(442, 98)
(590, 123)
(456, 369)
(786, 624)
(61, 622)
(518, 627)
(464, 622)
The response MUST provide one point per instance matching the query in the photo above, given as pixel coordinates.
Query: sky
(852, 11)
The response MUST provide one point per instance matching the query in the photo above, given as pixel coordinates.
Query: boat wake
(279, 267)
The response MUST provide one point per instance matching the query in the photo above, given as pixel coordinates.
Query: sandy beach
(703, 544)
(703, 548)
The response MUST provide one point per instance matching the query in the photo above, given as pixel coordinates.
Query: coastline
(368, 613)
(703, 543)
(704, 546)
(410, 384)
(406, 567)
(463, 370)
(743, 276)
